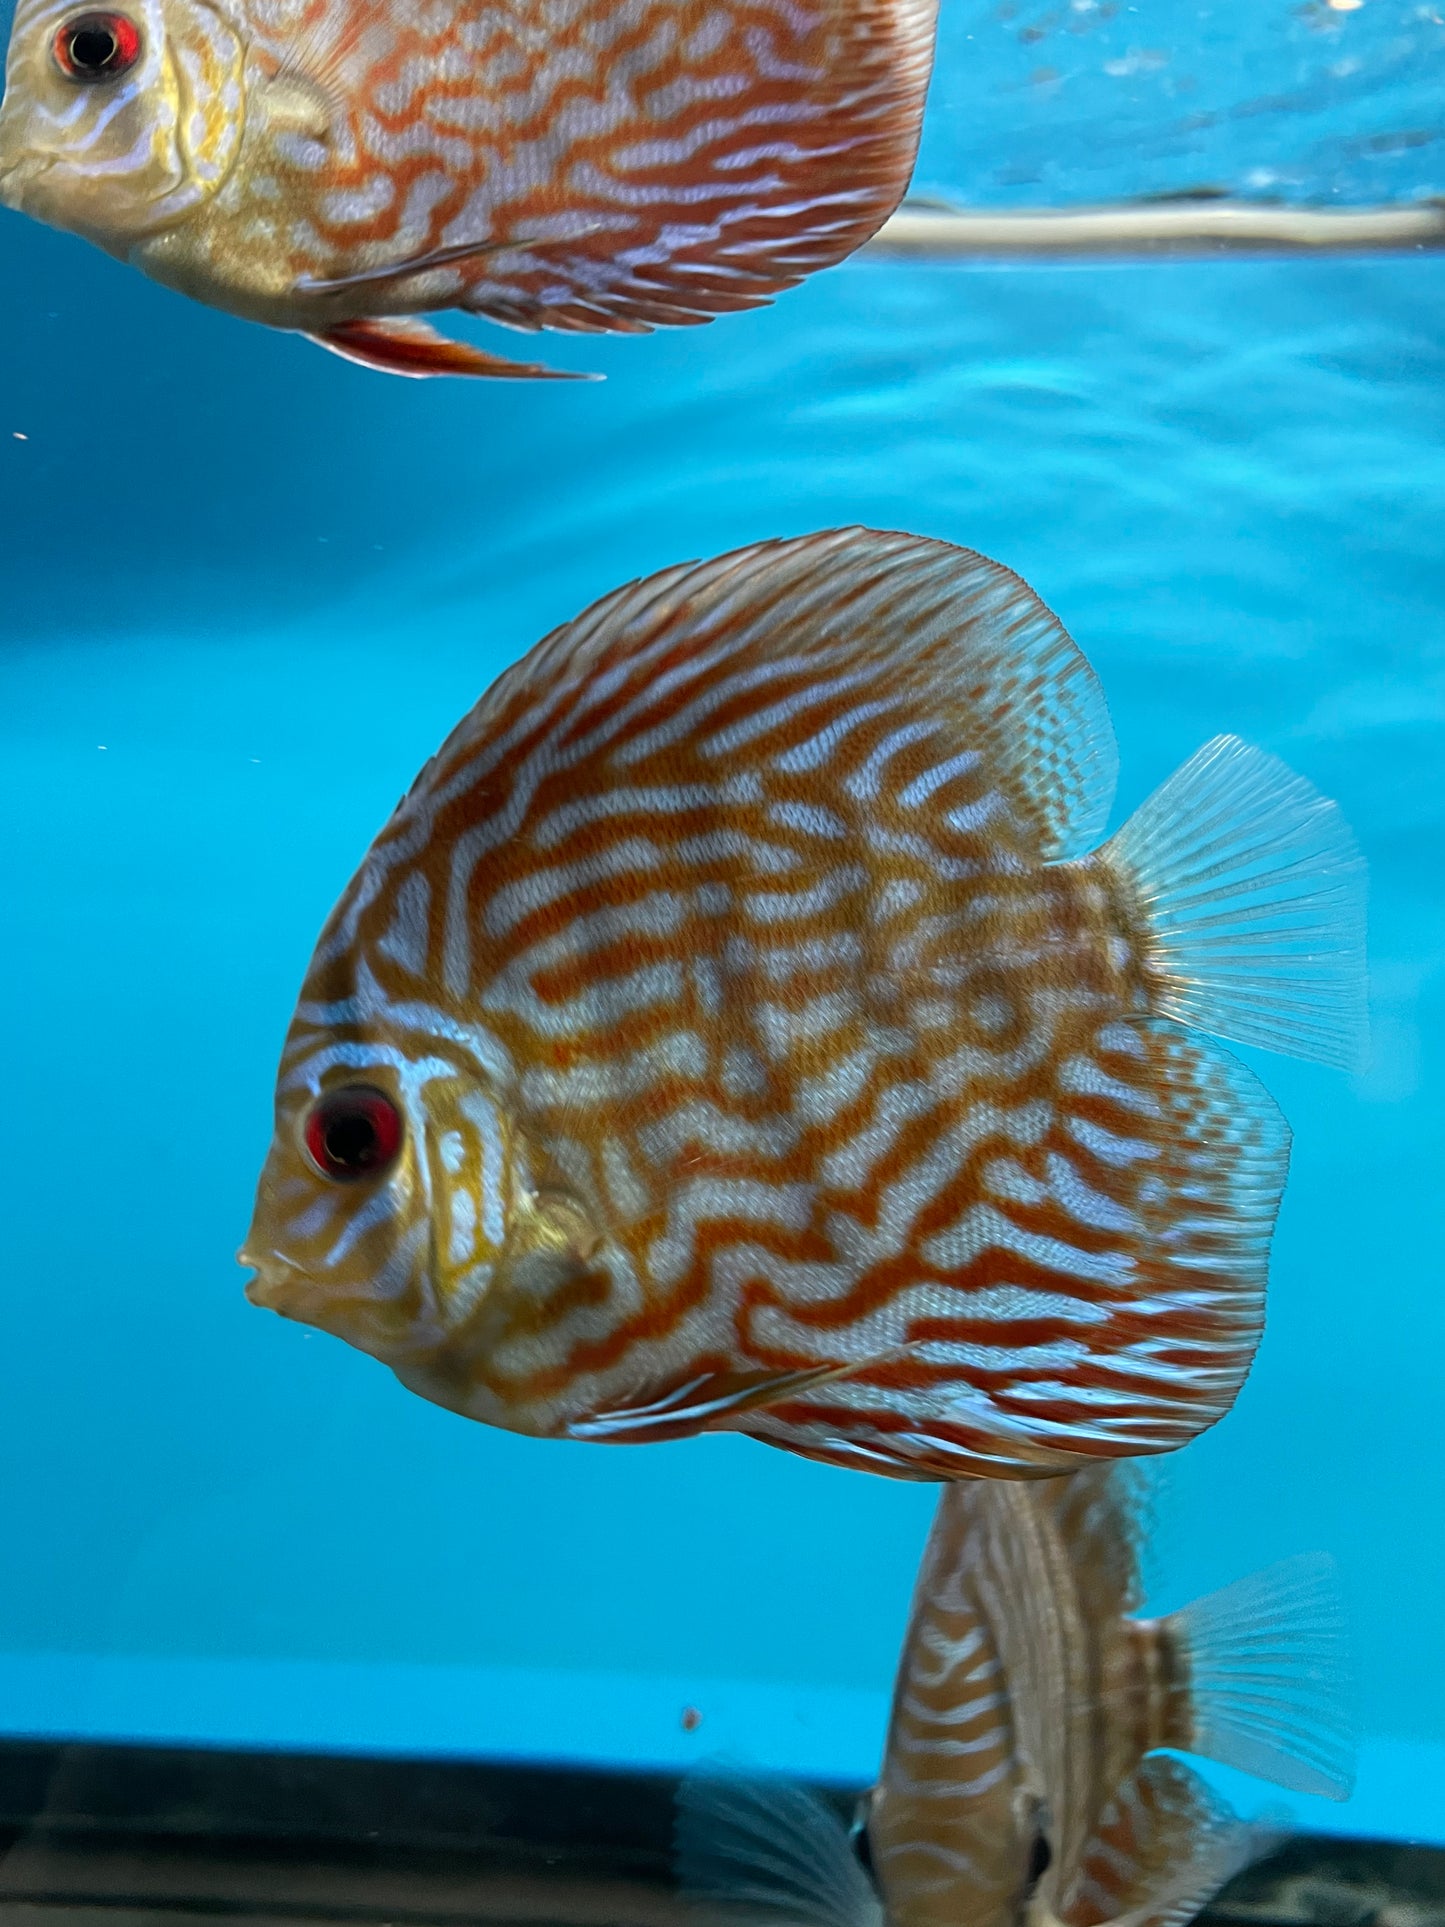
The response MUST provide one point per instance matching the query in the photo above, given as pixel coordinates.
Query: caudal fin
(1252, 894)
(1264, 1663)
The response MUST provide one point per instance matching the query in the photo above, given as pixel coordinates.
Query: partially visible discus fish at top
(1023, 1781)
(735, 1029)
(338, 166)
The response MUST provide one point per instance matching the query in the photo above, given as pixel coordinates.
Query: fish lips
(365, 1320)
(278, 1285)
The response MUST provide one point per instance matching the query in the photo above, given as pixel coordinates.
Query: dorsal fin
(1100, 1517)
(958, 645)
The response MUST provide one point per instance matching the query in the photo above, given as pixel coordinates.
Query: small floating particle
(100, 745)
(691, 1719)
(16, 436)
(1344, 6)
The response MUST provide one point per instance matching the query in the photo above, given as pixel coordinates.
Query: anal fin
(403, 345)
(1164, 1846)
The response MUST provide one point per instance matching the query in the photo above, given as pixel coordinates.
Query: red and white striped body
(763, 1061)
(574, 164)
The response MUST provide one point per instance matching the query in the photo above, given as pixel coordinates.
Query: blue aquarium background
(247, 589)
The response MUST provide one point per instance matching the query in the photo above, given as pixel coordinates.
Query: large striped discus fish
(726, 1032)
(1023, 1783)
(337, 166)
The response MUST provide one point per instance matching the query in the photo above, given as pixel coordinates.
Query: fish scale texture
(787, 1053)
(596, 165)
(627, 166)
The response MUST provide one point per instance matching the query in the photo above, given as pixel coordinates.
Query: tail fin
(1264, 1664)
(1252, 891)
(769, 1851)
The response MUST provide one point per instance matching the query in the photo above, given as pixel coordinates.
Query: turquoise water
(248, 588)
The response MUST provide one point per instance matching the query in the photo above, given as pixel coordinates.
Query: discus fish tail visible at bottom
(1254, 1677)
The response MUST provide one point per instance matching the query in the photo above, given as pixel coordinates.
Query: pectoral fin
(768, 1851)
(702, 1403)
(466, 254)
(402, 345)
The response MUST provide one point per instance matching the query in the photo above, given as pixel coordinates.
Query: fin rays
(406, 346)
(1251, 890)
(1268, 1676)
(771, 1849)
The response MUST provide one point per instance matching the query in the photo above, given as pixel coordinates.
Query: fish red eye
(353, 1133)
(97, 46)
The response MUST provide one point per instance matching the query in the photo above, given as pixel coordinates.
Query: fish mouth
(282, 1286)
(269, 1288)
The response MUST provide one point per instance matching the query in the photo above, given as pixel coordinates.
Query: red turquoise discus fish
(337, 166)
(736, 1028)
(1024, 1782)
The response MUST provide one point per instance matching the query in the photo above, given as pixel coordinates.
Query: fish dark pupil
(98, 46)
(353, 1133)
(92, 49)
(351, 1141)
